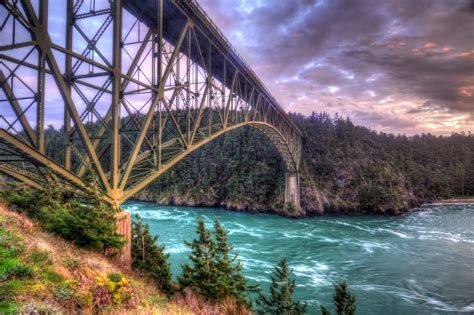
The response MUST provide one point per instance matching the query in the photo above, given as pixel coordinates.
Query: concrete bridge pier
(292, 189)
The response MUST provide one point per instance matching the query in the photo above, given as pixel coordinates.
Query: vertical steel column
(68, 66)
(43, 20)
(160, 75)
(188, 90)
(211, 94)
(116, 96)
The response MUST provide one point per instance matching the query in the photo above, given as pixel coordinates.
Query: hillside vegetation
(345, 169)
(41, 272)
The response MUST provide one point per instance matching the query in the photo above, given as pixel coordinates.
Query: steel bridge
(136, 86)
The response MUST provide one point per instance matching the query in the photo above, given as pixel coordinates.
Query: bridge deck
(175, 15)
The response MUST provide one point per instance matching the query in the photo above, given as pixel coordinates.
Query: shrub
(87, 227)
(52, 276)
(114, 289)
(40, 256)
(90, 224)
(13, 268)
(114, 276)
(72, 263)
(66, 294)
(11, 288)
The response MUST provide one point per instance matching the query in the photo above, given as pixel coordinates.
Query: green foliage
(344, 302)
(242, 168)
(66, 294)
(114, 289)
(215, 272)
(14, 269)
(72, 263)
(52, 276)
(149, 257)
(325, 311)
(202, 275)
(231, 280)
(40, 256)
(10, 289)
(114, 276)
(90, 225)
(281, 290)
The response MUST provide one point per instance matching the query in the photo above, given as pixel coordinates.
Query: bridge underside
(135, 89)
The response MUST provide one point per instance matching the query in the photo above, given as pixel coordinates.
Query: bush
(87, 227)
(10, 289)
(13, 268)
(114, 289)
(40, 256)
(66, 294)
(90, 225)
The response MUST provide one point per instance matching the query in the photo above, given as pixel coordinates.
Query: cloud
(407, 60)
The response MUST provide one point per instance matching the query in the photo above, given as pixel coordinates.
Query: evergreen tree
(281, 290)
(231, 280)
(325, 311)
(202, 275)
(215, 273)
(149, 257)
(345, 302)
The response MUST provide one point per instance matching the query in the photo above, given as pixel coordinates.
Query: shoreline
(453, 201)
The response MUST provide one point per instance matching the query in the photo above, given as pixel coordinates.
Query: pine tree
(281, 290)
(324, 311)
(202, 275)
(231, 280)
(149, 257)
(345, 302)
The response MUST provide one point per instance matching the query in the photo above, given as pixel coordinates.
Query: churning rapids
(420, 263)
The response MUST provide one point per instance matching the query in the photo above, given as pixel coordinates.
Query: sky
(400, 66)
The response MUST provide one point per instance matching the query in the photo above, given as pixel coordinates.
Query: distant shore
(465, 201)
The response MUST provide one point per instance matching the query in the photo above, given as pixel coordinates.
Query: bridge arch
(277, 139)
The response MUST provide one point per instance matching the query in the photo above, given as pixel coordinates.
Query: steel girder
(138, 88)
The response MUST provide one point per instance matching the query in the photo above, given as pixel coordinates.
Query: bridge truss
(135, 85)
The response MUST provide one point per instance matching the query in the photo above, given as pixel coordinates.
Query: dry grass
(197, 305)
(68, 264)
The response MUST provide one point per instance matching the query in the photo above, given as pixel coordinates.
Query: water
(420, 263)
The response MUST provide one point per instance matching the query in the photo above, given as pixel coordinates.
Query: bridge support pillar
(292, 189)
(123, 225)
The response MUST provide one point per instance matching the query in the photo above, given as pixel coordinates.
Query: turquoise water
(420, 263)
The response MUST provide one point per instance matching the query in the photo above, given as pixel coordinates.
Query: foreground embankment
(40, 272)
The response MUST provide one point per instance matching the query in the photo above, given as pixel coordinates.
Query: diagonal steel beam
(21, 176)
(17, 109)
(44, 40)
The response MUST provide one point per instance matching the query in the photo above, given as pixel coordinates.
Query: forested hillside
(345, 169)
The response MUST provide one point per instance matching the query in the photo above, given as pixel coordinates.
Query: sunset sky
(400, 66)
